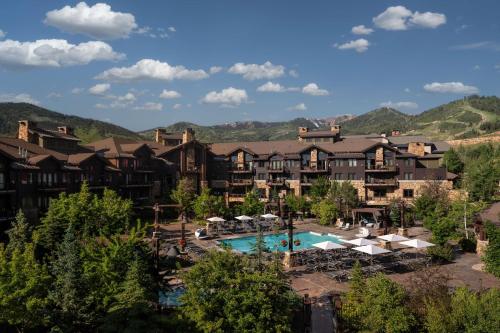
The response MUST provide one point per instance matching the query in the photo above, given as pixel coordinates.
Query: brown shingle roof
(53, 134)
(12, 146)
(317, 134)
(76, 159)
(288, 147)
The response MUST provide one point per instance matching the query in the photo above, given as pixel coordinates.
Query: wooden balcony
(381, 168)
(381, 183)
(241, 168)
(318, 169)
(241, 182)
(276, 182)
(283, 169)
(219, 183)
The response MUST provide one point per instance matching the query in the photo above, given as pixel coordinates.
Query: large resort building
(39, 164)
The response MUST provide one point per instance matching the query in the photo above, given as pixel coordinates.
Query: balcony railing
(316, 169)
(281, 169)
(219, 183)
(276, 182)
(241, 168)
(241, 182)
(381, 182)
(381, 168)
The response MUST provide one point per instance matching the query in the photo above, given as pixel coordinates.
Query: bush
(467, 245)
(492, 255)
(441, 252)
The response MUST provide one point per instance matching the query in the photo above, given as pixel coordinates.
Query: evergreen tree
(319, 189)
(69, 288)
(19, 234)
(452, 162)
(252, 204)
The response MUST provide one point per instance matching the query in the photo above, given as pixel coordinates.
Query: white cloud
(98, 21)
(484, 45)
(215, 69)
(77, 91)
(150, 106)
(172, 29)
(99, 89)
(497, 66)
(153, 70)
(451, 88)
(18, 98)
(400, 105)
(177, 106)
(361, 30)
(293, 73)
(54, 95)
(255, 72)
(476, 67)
(227, 97)
(360, 45)
(298, 107)
(169, 94)
(401, 18)
(271, 87)
(428, 20)
(2, 33)
(118, 102)
(314, 90)
(407, 90)
(53, 53)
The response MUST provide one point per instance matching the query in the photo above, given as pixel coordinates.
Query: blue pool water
(170, 298)
(273, 241)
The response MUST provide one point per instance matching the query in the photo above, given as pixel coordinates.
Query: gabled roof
(53, 134)
(39, 158)
(12, 146)
(76, 159)
(117, 147)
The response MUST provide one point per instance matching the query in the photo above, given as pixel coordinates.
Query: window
(351, 176)
(2, 181)
(389, 161)
(408, 193)
(352, 162)
(338, 162)
(408, 176)
(409, 162)
(338, 176)
(261, 176)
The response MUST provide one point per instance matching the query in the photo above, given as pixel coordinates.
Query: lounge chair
(347, 226)
(363, 233)
(201, 233)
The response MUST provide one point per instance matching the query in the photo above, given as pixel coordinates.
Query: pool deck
(317, 284)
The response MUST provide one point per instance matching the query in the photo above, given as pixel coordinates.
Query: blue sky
(142, 64)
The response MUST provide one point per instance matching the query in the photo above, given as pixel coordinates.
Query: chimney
(23, 130)
(187, 135)
(395, 132)
(303, 130)
(158, 134)
(65, 130)
(335, 129)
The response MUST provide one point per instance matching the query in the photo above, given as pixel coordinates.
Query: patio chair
(347, 226)
(363, 233)
(201, 233)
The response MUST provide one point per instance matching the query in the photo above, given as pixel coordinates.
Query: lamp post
(402, 231)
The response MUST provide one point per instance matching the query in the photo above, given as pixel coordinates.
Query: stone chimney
(158, 134)
(303, 130)
(416, 148)
(23, 130)
(335, 129)
(66, 130)
(187, 135)
(396, 132)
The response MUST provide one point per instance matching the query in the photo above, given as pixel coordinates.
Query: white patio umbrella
(417, 243)
(329, 245)
(243, 218)
(359, 241)
(393, 238)
(371, 249)
(269, 216)
(216, 219)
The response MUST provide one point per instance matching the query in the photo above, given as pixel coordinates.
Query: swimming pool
(170, 298)
(273, 241)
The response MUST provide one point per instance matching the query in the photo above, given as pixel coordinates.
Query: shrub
(467, 245)
(441, 252)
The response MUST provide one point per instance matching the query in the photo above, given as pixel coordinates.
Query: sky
(143, 64)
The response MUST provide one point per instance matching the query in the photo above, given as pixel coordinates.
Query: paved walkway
(321, 316)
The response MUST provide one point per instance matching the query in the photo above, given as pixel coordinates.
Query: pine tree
(19, 234)
(69, 288)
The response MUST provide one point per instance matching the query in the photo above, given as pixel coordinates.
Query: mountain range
(464, 118)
